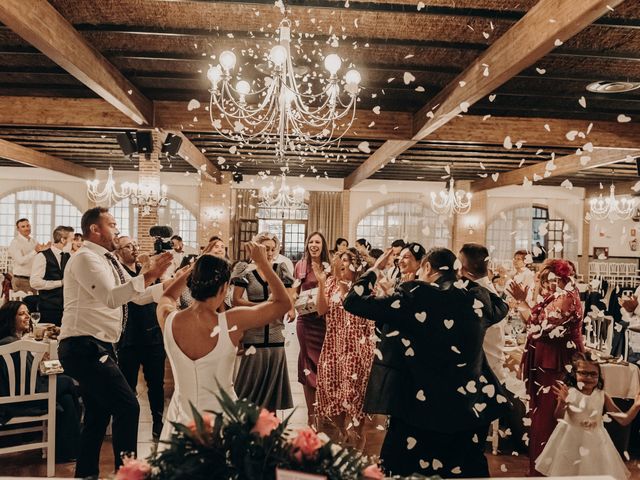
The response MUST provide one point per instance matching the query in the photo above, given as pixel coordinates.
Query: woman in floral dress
(347, 353)
(555, 334)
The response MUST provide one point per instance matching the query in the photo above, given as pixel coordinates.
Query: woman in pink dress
(554, 335)
(347, 353)
(310, 328)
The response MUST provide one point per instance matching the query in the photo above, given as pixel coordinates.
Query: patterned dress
(554, 336)
(345, 361)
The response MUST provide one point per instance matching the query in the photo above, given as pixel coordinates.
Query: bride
(200, 341)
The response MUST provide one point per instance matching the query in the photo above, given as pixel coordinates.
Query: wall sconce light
(471, 224)
(215, 214)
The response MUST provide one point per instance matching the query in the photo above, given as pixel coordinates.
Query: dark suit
(445, 395)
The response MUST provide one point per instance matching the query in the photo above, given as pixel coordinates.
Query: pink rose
(266, 423)
(207, 420)
(306, 444)
(373, 472)
(133, 469)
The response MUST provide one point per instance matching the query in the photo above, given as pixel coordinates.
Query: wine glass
(35, 318)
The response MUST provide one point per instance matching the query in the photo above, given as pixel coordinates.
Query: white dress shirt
(493, 344)
(23, 251)
(175, 264)
(526, 278)
(39, 268)
(93, 296)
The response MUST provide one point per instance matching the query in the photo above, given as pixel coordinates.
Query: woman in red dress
(554, 335)
(347, 353)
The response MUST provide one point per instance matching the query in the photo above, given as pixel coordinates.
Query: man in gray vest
(47, 276)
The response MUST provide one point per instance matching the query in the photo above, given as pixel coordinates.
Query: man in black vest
(141, 341)
(47, 276)
(447, 395)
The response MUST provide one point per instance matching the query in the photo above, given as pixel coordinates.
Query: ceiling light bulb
(243, 88)
(352, 77)
(214, 74)
(278, 55)
(227, 59)
(332, 63)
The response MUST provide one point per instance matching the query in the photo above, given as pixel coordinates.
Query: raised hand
(158, 264)
(318, 271)
(258, 254)
(518, 291)
(561, 392)
(382, 261)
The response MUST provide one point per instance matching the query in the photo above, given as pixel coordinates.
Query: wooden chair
(17, 394)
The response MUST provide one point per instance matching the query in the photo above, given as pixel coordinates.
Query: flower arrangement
(244, 442)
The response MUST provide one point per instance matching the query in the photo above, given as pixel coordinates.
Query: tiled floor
(31, 463)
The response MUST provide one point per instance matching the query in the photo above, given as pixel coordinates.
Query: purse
(306, 303)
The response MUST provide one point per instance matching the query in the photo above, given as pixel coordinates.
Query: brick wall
(215, 211)
(149, 174)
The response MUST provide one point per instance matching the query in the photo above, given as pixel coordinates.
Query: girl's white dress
(580, 445)
(195, 380)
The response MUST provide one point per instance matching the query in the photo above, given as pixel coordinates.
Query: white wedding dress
(195, 380)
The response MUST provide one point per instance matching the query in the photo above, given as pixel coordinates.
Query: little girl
(580, 445)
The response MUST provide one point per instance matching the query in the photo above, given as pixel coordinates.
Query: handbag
(306, 303)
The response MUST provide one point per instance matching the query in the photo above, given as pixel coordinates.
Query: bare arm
(321, 301)
(173, 289)
(623, 418)
(264, 313)
(562, 392)
(238, 300)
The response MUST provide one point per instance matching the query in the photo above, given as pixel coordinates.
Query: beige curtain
(246, 204)
(325, 215)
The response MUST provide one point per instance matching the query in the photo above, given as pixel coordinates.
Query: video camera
(161, 234)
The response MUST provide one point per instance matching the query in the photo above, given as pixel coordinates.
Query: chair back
(16, 366)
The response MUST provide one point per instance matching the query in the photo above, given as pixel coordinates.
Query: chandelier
(611, 208)
(450, 201)
(147, 197)
(284, 198)
(280, 111)
(109, 194)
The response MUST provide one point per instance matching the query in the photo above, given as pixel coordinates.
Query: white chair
(19, 295)
(17, 393)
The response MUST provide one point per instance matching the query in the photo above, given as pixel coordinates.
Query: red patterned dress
(555, 334)
(345, 361)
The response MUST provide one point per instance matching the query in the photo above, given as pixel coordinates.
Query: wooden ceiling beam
(558, 167)
(41, 25)
(27, 156)
(527, 41)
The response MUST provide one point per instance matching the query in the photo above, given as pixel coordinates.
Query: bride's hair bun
(209, 274)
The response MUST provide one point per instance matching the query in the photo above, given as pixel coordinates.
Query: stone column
(346, 205)
(149, 176)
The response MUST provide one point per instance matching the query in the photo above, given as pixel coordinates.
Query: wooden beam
(527, 41)
(388, 150)
(564, 166)
(41, 25)
(34, 158)
(194, 157)
(622, 188)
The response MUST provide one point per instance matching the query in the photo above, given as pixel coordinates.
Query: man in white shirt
(474, 266)
(178, 254)
(96, 292)
(47, 274)
(23, 250)
(523, 275)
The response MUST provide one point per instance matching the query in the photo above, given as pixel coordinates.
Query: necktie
(120, 272)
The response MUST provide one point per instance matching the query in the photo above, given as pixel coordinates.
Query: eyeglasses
(584, 373)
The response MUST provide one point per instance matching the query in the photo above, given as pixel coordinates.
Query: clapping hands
(518, 291)
(561, 392)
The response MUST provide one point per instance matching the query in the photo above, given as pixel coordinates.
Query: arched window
(175, 215)
(526, 227)
(44, 209)
(411, 221)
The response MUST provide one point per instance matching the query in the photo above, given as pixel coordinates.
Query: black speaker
(127, 143)
(237, 177)
(145, 141)
(638, 165)
(171, 144)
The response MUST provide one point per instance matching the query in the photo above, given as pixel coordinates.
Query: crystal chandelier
(147, 197)
(284, 198)
(278, 111)
(450, 201)
(611, 208)
(109, 194)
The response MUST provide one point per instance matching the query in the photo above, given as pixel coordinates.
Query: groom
(447, 395)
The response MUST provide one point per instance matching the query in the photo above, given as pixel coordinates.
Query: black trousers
(151, 358)
(450, 455)
(106, 394)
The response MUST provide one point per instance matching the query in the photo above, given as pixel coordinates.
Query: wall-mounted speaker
(144, 139)
(237, 177)
(127, 143)
(171, 145)
(638, 165)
